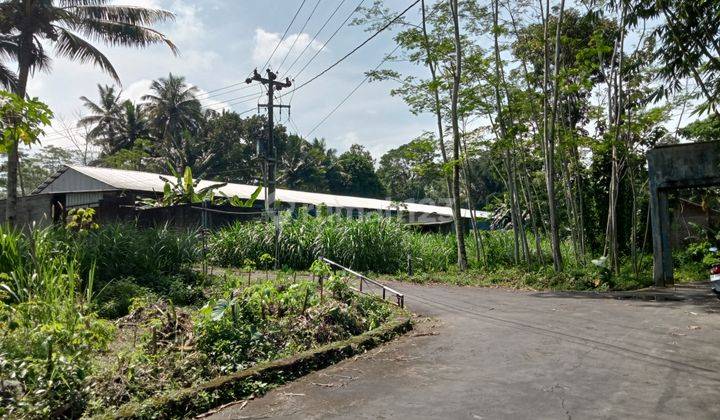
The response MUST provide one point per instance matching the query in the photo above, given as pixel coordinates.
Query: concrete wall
(31, 209)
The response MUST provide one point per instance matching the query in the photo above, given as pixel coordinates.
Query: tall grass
(48, 324)
(381, 245)
(146, 255)
(372, 243)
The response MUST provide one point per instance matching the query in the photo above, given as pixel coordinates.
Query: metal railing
(369, 283)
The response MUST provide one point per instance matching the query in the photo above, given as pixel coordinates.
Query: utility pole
(270, 151)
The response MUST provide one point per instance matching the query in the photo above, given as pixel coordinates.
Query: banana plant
(236, 201)
(184, 190)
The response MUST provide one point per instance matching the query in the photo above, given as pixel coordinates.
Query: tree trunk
(549, 133)
(479, 249)
(13, 152)
(611, 229)
(455, 196)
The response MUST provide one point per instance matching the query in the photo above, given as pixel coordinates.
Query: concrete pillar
(662, 255)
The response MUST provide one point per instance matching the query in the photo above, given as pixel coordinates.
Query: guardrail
(369, 283)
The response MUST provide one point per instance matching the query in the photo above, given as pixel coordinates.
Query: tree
(104, 120)
(28, 24)
(302, 165)
(687, 45)
(354, 174)
(707, 129)
(21, 121)
(175, 116)
(37, 167)
(455, 119)
(410, 171)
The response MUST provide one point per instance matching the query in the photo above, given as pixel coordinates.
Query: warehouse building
(115, 192)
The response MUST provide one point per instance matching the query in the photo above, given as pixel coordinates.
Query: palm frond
(121, 34)
(92, 106)
(8, 78)
(78, 3)
(75, 48)
(124, 14)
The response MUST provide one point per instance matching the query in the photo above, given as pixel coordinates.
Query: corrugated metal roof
(85, 179)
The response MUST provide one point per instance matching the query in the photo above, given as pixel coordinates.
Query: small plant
(320, 268)
(266, 262)
(81, 220)
(249, 266)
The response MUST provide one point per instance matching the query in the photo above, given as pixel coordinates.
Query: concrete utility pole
(269, 152)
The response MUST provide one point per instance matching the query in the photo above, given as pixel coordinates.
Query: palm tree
(27, 25)
(133, 125)
(105, 118)
(175, 115)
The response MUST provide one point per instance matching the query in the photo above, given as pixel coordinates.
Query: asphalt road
(479, 353)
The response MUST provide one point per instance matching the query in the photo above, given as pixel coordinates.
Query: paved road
(481, 353)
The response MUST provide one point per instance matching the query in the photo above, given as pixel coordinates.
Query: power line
(300, 32)
(362, 82)
(212, 93)
(387, 25)
(316, 35)
(342, 25)
(284, 34)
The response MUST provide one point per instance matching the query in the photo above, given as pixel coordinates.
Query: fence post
(321, 288)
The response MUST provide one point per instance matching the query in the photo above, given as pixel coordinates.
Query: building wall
(33, 209)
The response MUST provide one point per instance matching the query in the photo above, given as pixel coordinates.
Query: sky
(221, 41)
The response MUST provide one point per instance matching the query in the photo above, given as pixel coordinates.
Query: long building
(114, 192)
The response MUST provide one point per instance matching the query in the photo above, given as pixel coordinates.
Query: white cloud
(188, 27)
(348, 139)
(265, 43)
(136, 90)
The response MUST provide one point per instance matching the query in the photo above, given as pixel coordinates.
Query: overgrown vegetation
(60, 358)
(387, 246)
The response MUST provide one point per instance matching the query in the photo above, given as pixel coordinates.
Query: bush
(115, 298)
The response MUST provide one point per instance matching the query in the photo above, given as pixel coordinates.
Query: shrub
(115, 298)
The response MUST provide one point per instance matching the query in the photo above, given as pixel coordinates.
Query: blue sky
(221, 41)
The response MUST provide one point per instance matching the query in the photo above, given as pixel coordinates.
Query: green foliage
(266, 261)
(148, 255)
(320, 268)
(81, 220)
(372, 243)
(47, 324)
(21, 120)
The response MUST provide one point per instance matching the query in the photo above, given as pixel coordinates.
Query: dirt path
(482, 353)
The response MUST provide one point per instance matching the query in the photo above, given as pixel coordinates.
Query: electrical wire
(342, 25)
(300, 32)
(362, 44)
(284, 34)
(292, 65)
(362, 82)
(212, 93)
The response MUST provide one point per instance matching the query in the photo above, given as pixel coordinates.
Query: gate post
(662, 255)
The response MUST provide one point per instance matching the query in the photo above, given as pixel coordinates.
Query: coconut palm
(104, 119)
(175, 115)
(66, 25)
(133, 125)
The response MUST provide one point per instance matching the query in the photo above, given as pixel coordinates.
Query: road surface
(480, 353)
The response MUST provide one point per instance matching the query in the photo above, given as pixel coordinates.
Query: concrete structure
(670, 168)
(113, 192)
